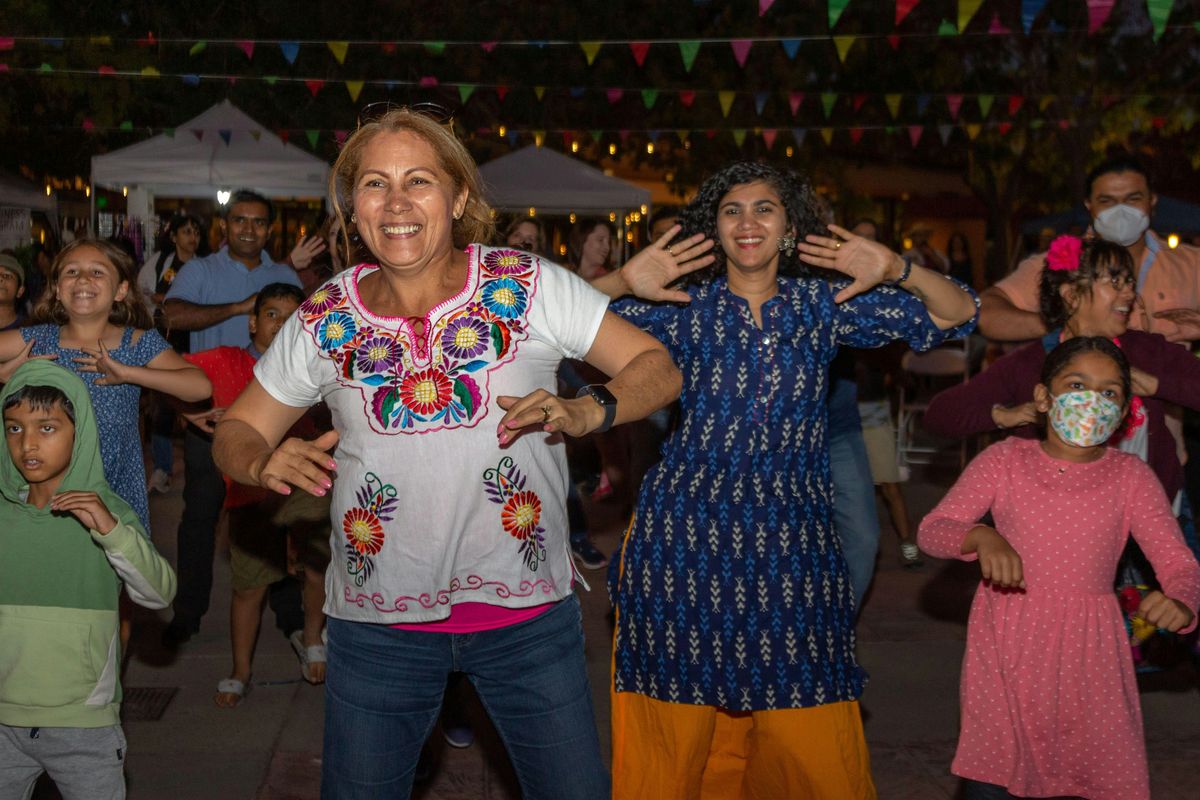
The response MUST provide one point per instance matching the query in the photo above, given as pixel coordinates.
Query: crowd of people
(386, 420)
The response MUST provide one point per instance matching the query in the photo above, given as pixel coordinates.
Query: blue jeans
(384, 689)
(854, 515)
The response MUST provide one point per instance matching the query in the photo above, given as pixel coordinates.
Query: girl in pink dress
(1048, 697)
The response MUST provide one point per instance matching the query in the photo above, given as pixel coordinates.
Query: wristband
(904, 273)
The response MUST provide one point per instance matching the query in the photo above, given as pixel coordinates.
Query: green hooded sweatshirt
(59, 583)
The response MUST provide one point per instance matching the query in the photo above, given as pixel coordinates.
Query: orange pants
(676, 751)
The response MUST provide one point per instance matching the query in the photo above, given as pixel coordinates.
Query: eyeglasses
(377, 111)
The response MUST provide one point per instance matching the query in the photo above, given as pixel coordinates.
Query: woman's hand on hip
(540, 410)
(300, 463)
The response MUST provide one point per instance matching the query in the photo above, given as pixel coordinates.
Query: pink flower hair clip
(1064, 253)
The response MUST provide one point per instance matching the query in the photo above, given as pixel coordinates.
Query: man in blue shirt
(213, 297)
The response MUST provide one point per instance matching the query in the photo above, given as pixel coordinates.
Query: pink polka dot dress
(1048, 698)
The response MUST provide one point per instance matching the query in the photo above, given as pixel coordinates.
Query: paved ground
(911, 641)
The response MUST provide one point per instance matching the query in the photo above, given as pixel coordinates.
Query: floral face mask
(1084, 419)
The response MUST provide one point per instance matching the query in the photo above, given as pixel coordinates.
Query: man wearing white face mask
(1120, 202)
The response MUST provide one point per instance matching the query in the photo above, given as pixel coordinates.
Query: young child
(1049, 700)
(93, 321)
(257, 542)
(67, 543)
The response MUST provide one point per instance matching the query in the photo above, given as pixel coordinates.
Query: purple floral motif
(323, 299)
(377, 354)
(507, 262)
(466, 337)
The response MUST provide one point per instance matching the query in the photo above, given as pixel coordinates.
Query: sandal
(313, 654)
(234, 687)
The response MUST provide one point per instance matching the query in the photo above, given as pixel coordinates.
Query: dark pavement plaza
(911, 638)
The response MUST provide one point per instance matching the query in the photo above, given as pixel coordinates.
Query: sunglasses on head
(377, 111)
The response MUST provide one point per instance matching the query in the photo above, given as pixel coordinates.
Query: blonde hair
(476, 223)
(130, 310)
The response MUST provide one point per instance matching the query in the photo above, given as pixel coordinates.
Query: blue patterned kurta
(734, 592)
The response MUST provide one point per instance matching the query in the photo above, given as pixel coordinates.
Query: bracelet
(904, 273)
(993, 413)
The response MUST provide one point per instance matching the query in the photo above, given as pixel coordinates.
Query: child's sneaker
(910, 554)
(159, 482)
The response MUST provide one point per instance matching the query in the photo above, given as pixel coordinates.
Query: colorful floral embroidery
(520, 510)
(363, 526)
(411, 384)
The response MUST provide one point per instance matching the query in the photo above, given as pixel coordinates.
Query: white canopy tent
(222, 149)
(18, 199)
(553, 183)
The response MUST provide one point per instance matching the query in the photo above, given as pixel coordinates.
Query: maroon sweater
(967, 409)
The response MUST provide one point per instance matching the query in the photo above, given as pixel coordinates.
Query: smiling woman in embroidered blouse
(438, 364)
(735, 619)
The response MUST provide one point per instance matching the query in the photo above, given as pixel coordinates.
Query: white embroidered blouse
(428, 509)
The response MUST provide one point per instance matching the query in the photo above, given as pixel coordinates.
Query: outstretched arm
(181, 315)
(1002, 320)
(649, 273)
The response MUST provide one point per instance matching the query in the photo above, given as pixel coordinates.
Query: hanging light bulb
(612, 149)
(574, 147)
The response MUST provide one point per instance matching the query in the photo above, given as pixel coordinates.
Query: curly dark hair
(1098, 260)
(1061, 356)
(799, 201)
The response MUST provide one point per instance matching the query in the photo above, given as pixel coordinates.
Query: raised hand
(205, 420)
(649, 273)
(867, 263)
(1016, 416)
(87, 507)
(1187, 323)
(112, 372)
(7, 368)
(305, 251)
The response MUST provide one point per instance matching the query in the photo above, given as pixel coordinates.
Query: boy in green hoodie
(67, 543)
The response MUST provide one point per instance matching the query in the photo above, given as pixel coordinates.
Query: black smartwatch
(600, 393)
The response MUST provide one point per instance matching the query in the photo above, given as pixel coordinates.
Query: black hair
(661, 213)
(804, 212)
(248, 196)
(1109, 166)
(1098, 260)
(277, 290)
(1058, 359)
(41, 398)
(182, 220)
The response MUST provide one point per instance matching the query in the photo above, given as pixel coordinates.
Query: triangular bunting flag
(688, 51)
(893, 40)
(388, 48)
(88, 125)
(794, 101)
(539, 92)
(760, 102)
(726, 100)
(226, 135)
(985, 104)
(56, 43)
(312, 137)
(954, 103)
(827, 135)
(169, 132)
(128, 126)
(390, 85)
(790, 48)
(339, 136)
(577, 91)
(355, 89)
(197, 48)
(7, 42)
(966, 12)
(996, 27)
(947, 28)
(47, 68)
(764, 6)
(768, 136)
(843, 45)
(614, 95)
(590, 49)
(624, 134)
(501, 92)
(271, 79)
(687, 97)
(596, 136)
(105, 69)
(639, 50)
(246, 46)
(683, 134)
(973, 129)
(836, 7)
(1160, 11)
(1029, 13)
(828, 99)
(1045, 102)
(914, 134)
(649, 97)
(464, 92)
(739, 136)
(944, 131)
(798, 134)
(150, 72)
(893, 104)
(198, 133)
(856, 135)
(903, 9)
(427, 82)
(488, 46)
(290, 50)
(1015, 101)
(284, 134)
(100, 40)
(923, 103)
(859, 99)
(314, 85)
(1098, 12)
(1004, 128)
(741, 50)
(191, 79)
(339, 52)
(435, 48)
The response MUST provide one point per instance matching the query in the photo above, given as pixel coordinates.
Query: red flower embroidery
(427, 391)
(363, 531)
(520, 514)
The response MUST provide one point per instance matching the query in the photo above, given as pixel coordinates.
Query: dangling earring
(354, 218)
(787, 244)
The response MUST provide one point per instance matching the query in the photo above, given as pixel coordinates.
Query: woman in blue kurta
(734, 611)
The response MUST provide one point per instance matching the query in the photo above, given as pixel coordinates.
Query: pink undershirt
(476, 617)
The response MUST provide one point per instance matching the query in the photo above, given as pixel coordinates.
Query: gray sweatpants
(84, 763)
